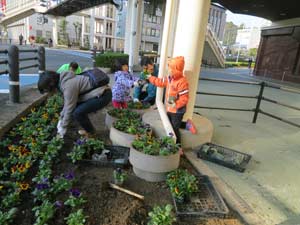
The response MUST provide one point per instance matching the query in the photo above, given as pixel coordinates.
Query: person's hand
(148, 76)
(172, 104)
(61, 131)
(136, 84)
(135, 100)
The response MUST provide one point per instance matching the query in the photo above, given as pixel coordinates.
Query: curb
(235, 202)
(25, 109)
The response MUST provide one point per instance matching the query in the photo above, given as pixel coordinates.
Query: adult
(50, 42)
(80, 98)
(250, 60)
(21, 39)
(70, 66)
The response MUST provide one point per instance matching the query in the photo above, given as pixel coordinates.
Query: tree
(77, 28)
(63, 37)
(253, 52)
(230, 33)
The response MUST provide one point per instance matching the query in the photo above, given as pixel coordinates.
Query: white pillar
(92, 28)
(140, 15)
(133, 36)
(128, 26)
(115, 44)
(82, 30)
(54, 32)
(189, 42)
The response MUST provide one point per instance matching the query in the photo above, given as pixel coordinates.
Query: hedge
(108, 60)
(239, 64)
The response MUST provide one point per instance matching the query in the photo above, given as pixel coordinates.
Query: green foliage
(253, 52)
(161, 215)
(76, 218)
(43, 213)
(74, 201)
(121, 113)
(137, 105)
(40, 40)
(109, 59)
(6, 217)
(238, 64)
(84, 148)
(155, 146)
(132, 126)
(182, 184)
(119, 176)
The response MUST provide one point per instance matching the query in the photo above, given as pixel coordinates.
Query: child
(147, 96)
(123, 82)
(177, 92)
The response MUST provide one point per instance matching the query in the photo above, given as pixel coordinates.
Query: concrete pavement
(271, 182)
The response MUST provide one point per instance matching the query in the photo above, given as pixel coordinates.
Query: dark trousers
(175, 119)
(80, 114)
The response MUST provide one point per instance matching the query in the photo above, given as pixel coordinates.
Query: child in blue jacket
(148, 96)
(124, 81)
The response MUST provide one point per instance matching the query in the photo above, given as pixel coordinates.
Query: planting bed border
(206, 202)
(228, 153)
(118, 152)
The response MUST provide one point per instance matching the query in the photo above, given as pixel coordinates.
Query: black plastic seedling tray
(118, 156)
(224, 156)
(206, 202)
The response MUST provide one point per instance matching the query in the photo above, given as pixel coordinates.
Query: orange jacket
(177, 86)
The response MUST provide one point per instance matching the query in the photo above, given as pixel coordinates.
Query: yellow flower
(176, 190)
(45, 116)
(23, 118)
(39, 129)
(32, 110)
(13, 169)
(21, 168)
(1, 187)
(27, 165)
(12, 148)
(23, 186)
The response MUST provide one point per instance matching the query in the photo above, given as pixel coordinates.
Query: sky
(249, 21)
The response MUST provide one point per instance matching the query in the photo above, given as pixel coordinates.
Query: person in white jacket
(80, 98)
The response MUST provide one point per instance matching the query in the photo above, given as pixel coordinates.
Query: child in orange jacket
(177, 93)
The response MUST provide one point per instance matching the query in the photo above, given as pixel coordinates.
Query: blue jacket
(121, 89)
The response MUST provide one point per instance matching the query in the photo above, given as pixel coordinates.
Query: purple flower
(80, 141)
(69, 176)
(42, 186)
(75, 192)
(171, 134)
(59, 204)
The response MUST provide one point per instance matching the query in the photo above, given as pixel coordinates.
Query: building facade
(98, 24)
(217, 20)
(278, 55)
(248, 37)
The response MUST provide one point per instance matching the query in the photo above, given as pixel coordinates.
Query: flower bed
(114, 114)
(61, 192)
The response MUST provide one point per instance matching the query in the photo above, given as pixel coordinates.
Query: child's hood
(176, 66)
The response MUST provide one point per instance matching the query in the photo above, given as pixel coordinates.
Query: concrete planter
(141, 111)
(153, 168)
(109, 120)
(105, 69)
(120, 138)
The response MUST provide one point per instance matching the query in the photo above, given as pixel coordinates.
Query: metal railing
(259, 98)
(13, 67)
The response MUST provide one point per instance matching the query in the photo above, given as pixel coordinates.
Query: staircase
(213, 53)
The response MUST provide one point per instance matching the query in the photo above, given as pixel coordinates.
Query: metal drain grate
(206, 202)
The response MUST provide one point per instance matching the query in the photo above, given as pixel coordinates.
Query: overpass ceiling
(269, 9)
(69, 7)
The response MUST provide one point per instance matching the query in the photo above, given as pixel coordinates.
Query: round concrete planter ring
(153, 168)
(121, 138)
(109, 120)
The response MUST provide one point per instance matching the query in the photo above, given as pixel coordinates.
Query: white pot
(121, 138)
(109, 120)
(153, 168)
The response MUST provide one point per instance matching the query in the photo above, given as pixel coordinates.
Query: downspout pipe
(162, 68)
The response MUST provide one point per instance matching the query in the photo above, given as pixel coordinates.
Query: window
(39, 33)
(48, 34)
(157, 33)
(152, 32)
(158, 20)
(154, 19)
(146, 17)
(148, 31)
